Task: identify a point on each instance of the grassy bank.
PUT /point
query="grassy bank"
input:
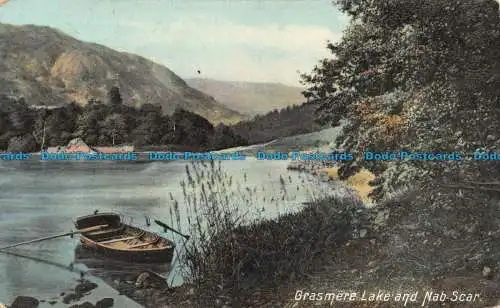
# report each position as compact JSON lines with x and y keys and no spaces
{"x":360,"y":182}
{"x":268,"y":255}
{"x":231,"y":255}
{"x":407,"y":244}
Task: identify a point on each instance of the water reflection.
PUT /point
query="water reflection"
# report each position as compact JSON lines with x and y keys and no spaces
{"x":120,"y":275}
{"x":42,"y":199}
{"x":70,"y":267}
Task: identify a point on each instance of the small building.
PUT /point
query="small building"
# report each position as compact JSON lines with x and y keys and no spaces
{"x":115,"y":149}
{"x":77,"y":145}
{"x":54,"y":149}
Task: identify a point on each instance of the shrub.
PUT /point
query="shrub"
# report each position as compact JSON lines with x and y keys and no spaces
{"x":233,"y":253}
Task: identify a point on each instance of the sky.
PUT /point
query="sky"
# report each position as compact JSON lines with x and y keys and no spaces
{"x":252,"y":40}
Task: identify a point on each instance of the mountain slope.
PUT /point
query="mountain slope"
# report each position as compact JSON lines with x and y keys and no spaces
{"x":46,"y":66}
{"x":249,"y":97}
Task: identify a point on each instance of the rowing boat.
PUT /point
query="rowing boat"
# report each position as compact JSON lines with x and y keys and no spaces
{"x":120,"y":241}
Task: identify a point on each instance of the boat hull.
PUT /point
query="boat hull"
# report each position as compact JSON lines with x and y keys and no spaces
{"x":123,"y":242}
{"x":160,"y":256}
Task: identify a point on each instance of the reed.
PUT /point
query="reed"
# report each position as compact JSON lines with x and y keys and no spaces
{"x":235,"y":249}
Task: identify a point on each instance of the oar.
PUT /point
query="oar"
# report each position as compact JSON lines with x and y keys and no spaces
{"x":164,"y":225}
{"x":56,"y":236}
{"x":70,"y":267}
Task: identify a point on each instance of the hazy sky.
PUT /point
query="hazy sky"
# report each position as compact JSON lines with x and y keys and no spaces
{"x":266,"y":40}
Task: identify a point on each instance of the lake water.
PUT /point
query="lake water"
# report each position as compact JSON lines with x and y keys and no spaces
{"x":40,"y":199}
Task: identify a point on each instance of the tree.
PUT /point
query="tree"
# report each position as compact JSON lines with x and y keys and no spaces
{"x":115,"y":100}
{"x":418,"y":75}
{"x":4,"y":124}
{"x":115,"y":97}
{"x":114,"y":127}
{"x":224,"y":137}
{"x":24,"y":143}
{"x":192,"y":129}
{"x":21,"y":118}
{"x":39,"y":128}
{"x":89,"y":121}
{"x":149,"y":128}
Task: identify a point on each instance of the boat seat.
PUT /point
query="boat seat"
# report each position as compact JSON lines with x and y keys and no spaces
{"x":106,"y":231}
{"x":118,"y":240}
{"x":93,"y":228}
{"x":144,"y":244}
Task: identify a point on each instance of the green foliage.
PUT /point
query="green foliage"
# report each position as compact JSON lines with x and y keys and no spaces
{"x":87,"y":125}
{"x":104,"y":124}
{"x":232,"y":252}
{"x":115,"y":98}
{"x":225,"y":137}
{"x":151,"y":125}
{"x":286,"y":122}
{"x":114,"y":127}
{"x":25,"y":143}
{"x":191,"y":128}
{"x":415,"y":75}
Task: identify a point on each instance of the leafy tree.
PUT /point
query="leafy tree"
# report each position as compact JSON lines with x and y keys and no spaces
{"x":24,"y":143}
{"x":192,"y":129}
{"x":224,"y":137}
{"x":417,"y":75}
{"x":149,"y":129}
{"x":102,"y":124}
{"x":40,"y":128}
{"x":114,"y":96}
{"x":114,"y":127}
{"x":21,"y":118}
{"x":289,"y":121}
{"x":4,"y":124}
{"x":88,"y":122}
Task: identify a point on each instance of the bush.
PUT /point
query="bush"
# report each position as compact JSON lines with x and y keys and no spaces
{"x":232,"y":254}
{"x":407,"y":75}
{"x":24,"y":143}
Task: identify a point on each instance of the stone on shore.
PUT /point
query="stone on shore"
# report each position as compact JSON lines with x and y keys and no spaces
{"x":71,"y":297}
{"x":105,"y":303}
{"x":25,"y":302}
{"x":85,"y":287}
{"x":142,"y":280}
{"x":487,"y":272}
{"x":83,"y":305}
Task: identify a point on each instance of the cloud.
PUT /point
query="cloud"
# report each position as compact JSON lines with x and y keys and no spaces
{"x":228,"y":50}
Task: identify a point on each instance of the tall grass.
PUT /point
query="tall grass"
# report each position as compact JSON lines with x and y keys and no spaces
{"x":232,"y":251}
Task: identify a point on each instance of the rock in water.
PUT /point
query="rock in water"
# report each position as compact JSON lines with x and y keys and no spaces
{"x":84,"y":287}
{"x":83,"y":305}
{"x":105,"y":303}
{"x":25,"y":302}
{"x":487,"y":273}
{"x":71,"y":297}
{"x":141,"y":279}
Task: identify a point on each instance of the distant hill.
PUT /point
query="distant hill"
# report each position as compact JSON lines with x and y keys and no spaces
{"x":285,"y":122}
{"x":249,"y":97}
{"x":322,"y":140}
{"x":46,"y":66}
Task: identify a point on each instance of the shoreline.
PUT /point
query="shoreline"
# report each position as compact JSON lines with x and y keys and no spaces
{"x":382,"y":251}
{"x":359,"y":183}
{"x":362,"y":263}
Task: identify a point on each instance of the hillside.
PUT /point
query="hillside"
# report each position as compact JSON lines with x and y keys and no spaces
{"x":289,"y":121}
{"x":321,"y":140}
{"x":46,"y":66}
{"x":249,"y":97}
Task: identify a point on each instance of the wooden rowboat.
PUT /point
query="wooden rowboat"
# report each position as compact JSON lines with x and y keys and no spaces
{"x":110,"y":237}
